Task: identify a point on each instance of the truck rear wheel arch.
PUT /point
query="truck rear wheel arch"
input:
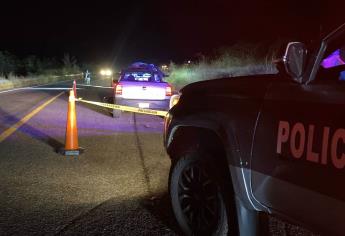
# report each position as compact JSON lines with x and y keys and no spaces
{"x":188,"y":139}
{"x":203,"y":144}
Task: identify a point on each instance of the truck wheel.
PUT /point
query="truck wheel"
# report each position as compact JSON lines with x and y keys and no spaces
{"x":198,"y":197}
{"x":117,"y":113}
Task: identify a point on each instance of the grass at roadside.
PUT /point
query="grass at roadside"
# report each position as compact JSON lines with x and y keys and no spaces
{"x":17,"y":82}
{"x":33,"y":70}
{"x":238,"y":60}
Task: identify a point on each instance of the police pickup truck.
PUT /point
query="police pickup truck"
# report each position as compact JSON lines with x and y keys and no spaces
{"x":270,"y":144}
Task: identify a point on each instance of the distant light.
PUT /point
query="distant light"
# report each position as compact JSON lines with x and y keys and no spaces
{"x":188,"y":61}
{"x":164,"y":67}
{"x":106,"y":72}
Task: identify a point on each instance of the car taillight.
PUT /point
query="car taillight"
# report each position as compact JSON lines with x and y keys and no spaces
{"x":118,"y":89}
{"x":168,"y":91}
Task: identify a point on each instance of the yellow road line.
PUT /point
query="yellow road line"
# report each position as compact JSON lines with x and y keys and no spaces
{"x":17,"y":125}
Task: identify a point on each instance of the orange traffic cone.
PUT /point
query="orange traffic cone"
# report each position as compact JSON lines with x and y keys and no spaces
{"x":71,"y":139}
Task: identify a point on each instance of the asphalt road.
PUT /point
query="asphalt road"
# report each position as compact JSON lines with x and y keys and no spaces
{"x":118,"y":186}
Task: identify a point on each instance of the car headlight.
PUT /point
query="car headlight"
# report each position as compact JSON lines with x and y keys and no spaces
{"x":106,"y":72}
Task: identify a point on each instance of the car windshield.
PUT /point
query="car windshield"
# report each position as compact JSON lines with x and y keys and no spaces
{"x":141,"y":76}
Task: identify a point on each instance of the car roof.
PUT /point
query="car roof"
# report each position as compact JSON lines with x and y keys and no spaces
{"x":142,"y":67}
{"x":136,"y":70}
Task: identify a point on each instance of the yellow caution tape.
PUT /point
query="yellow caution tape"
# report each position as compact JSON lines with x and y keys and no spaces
{"x":126,"y":108}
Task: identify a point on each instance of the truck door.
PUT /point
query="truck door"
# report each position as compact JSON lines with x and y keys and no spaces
{"x":298,"y":155}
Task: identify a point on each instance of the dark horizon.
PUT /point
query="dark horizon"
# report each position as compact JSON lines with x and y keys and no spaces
{"x":156,"y":31}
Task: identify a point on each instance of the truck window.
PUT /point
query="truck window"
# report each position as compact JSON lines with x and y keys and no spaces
{"x":333,"y":66}
{"x":334,"y":59}
{"x":139,"y":76}
{"x":136,"y":76}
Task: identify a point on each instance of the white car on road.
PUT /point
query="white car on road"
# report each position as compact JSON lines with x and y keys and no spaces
{"x":142,"y":85}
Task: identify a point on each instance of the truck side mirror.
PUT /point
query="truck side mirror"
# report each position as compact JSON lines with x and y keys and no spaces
{"x":294,"y":60}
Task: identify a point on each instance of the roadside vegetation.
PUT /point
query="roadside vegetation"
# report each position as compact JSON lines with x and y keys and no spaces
{"x":33,"y":70}
{"x":238,"y":60}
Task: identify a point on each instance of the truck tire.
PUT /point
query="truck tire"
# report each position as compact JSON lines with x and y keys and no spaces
{"x":199,"y":199}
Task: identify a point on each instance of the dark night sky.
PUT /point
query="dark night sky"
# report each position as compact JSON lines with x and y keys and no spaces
{"x":124,"y":31}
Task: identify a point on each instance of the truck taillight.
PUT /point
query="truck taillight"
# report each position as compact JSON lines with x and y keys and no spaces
{"x":113,"y":84}
{"x":168,"y":91}
{"x":118,"y":89}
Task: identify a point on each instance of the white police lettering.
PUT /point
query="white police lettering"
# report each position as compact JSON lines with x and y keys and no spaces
{"x":299,"y":140}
